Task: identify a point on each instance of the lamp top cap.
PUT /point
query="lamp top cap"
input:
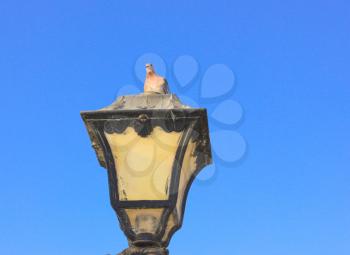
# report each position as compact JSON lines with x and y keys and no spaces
{"x":156,"y":95}
{"x":147,"y":101}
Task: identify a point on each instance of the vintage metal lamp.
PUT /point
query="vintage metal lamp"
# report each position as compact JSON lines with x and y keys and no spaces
{"x":152,"y":146}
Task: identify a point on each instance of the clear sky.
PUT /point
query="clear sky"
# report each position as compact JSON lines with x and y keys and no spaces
{"x":288,"y":194}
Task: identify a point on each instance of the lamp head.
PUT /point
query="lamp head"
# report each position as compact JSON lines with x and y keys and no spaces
{"x":152,"y":146}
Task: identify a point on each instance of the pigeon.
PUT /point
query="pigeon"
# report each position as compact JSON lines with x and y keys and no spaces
{"x":155,"y":83}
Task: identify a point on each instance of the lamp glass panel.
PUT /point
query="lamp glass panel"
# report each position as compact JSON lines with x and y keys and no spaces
{"x":144,"y":220}
{"x":144,"y":164}
{"x":187,"y":170}
{"x":171,"y":224}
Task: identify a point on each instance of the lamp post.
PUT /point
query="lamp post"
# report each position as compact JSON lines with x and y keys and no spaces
{"x":152,"y":146}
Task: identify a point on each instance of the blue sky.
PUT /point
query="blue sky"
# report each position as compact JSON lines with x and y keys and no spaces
{"x":289,"y":194}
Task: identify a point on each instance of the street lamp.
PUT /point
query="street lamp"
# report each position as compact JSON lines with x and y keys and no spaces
{"x":153,"y":146}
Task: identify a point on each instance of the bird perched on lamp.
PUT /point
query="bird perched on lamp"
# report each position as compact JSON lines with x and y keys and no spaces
{"x":154,"y":83}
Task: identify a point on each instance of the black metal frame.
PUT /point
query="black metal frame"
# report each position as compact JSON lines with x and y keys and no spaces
{"x":193,"y":123}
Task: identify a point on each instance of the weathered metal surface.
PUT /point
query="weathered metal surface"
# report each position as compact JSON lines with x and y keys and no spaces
{"x":146,"y":101}
{"x":145,"y":251}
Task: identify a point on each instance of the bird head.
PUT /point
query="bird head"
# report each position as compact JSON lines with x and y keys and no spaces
{"x":149,"y":69}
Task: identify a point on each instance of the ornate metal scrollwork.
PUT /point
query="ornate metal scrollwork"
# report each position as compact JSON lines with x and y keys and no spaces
{"x":145,"y":251}
{"x":144,"y":124}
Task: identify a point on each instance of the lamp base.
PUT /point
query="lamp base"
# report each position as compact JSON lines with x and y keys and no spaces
{"x":145,"y":251}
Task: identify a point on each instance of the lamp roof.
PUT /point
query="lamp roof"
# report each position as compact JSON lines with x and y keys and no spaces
{"x":146,"y":101}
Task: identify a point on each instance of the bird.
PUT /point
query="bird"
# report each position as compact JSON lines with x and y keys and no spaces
{"x":154,"y":83}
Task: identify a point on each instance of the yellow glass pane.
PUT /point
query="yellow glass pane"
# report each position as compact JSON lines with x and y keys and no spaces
{"x":187,"y":170}
{"x":172,"y":222}
{"x":144,"y":164}
{"x":144,"y":220}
